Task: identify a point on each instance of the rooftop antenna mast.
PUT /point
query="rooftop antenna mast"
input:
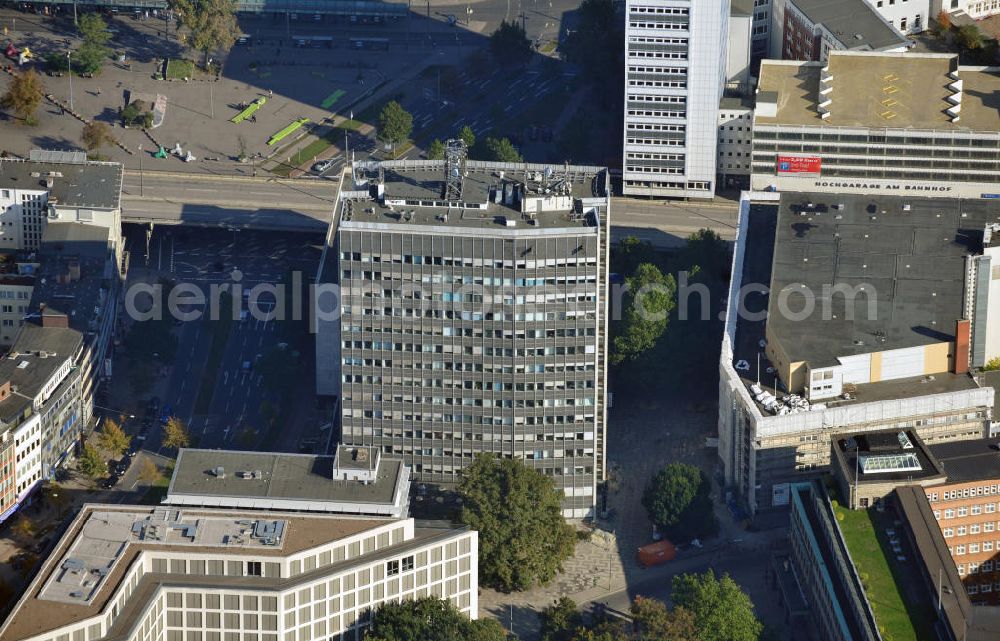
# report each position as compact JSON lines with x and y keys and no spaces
{"x":454,"y":169}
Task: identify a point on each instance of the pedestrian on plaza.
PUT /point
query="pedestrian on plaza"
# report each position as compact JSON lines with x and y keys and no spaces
{"x":98,"y":91}
{"x":270,"y":93}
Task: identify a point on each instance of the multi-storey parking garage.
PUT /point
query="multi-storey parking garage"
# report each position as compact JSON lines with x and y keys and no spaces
{"x":878,"y":123}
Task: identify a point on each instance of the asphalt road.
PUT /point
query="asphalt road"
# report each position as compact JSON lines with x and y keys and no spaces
{"x":195,"y":256}
{"x":479,"y":100}
{"x":262,"y":203}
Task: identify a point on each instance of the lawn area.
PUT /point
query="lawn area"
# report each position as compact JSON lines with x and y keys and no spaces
{"x":895,"y":621}
{"x":332,"y":137}
{"x":158,"y":489}
{"x":179,"y":69}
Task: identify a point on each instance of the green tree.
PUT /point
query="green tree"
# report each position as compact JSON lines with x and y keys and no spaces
{"x":560,"y":620}
{"x":430,"y":619}
{"x":56,"y":62}
{"x":211,"y":24}
{"x":24,"y":529}
{"x":175,"y":434}
{"x":468,"y":136}
{"x":629,"y":253}
{"x":523,"y":538}
{"x":603,"y":631}
{"x":943,"y":22}
{"x":509,"y":44}
{"x":706,"y":250}
{"x":678,"y":499}
{"x":24,"y":94}
{"x":94,"y":51}
{"x":395,"y":124}
{"x":646,"y":307}
{"x":149,"y":472}
{"x":654,"y":622}
{"x":92,"y":462}
{"x":969,"y":38}
{"x":113,"y":438}
{"x":501,"y":150}
{"x":435,"y":150}
{"x":96,"y":135}
{"x":722,"y":611}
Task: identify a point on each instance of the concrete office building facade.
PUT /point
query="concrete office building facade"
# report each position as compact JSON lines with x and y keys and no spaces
{"x":675,"y":71}
{"x":858,"y":375}
{"x":66,"y":213}
{"x":474,"y":325}
{"x":735,"y":141}
{"x":136,"y":573}
{"x":877,"y":123}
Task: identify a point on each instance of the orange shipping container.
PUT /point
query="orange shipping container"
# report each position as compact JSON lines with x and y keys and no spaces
{"x":656,"y":553}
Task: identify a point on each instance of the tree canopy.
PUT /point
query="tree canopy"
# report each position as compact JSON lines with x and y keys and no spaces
{"x":175,"y":434}
{"x":560,"y":620}
{"x":430,"y":619}
{"x":113,"y":438}
{"x":94,"y":50}
{"x":149,"y":472}
{"x":395,"y":124}
{"x":435,"y":150}
{"x":523,"y":538}
{"x":92,"y":462}
{"x":722,"y":611}
{"x":501,"y":150}
{"x":95,"y":135}
{"x":24,"y":94}
{"x":211,"y":23}
{"x":509,"y":44}
{"x":678,"y":499}
{"x":646,"y":307}
{"x":468,"y":136}
{"x":654,"y":622}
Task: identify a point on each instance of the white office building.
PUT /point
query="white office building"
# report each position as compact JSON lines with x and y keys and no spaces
{"x":140,"y":573}
{"x":975,"y":9}
{"x":675,"y":72}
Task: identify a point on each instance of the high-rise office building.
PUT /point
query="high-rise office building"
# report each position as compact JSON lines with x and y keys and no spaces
{"x":675,"y":72}
{"x":473,"y":317}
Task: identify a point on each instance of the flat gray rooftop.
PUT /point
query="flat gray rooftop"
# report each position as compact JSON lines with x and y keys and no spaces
{"x":415,"y":195}
{"x":35,"y":356}
{"x":92,"y":184}
{"x":910,"y":261}
{"x":976,"y":460}
{"x":854,"y":22}
{"x":304,"y":477}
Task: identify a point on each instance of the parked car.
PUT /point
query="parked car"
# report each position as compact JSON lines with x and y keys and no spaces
{"x":322,"y":166}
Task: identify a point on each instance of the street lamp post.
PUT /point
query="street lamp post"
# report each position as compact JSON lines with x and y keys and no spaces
{"x":140,"y":171}
{"x":100,"y":407}
{"x":69,"y":69}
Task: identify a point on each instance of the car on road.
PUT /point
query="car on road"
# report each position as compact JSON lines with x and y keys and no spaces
{"x":165,"y":415}
{"x":247,"y":366}
{"x":322,"y":166}
{"x":109,"y":482}
{"x":123,"y":465}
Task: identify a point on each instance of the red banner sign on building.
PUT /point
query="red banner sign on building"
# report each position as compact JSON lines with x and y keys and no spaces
{"x":799,"y":164}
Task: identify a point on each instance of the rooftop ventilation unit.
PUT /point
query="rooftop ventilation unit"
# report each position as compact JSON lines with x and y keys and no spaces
{"x":220,"y":472}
